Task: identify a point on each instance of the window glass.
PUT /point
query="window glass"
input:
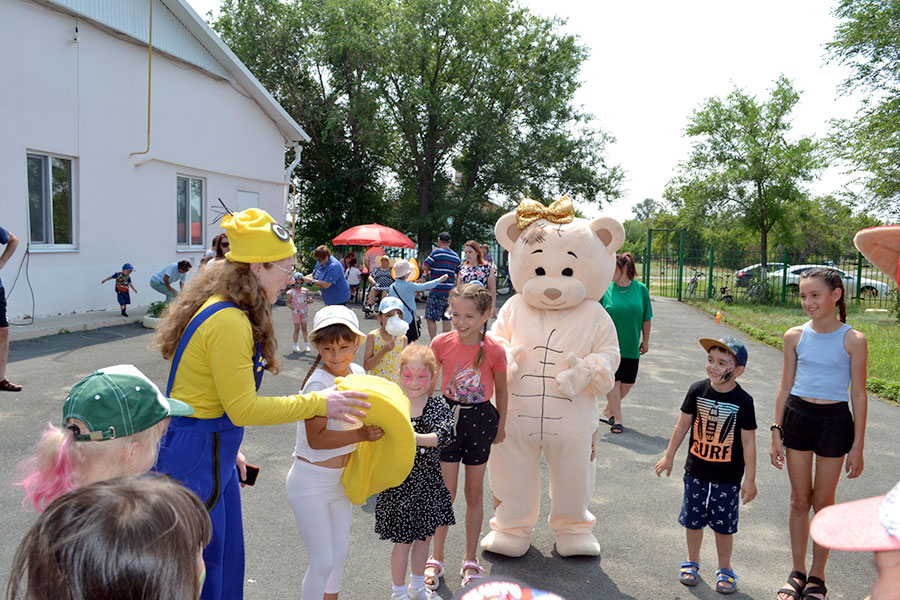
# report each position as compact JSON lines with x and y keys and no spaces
{"x":51,"y":200}
{"x":62,"y":201}
{"x":196,"y":212}
{"x":36,"y":199}
{"x":181,"y":200}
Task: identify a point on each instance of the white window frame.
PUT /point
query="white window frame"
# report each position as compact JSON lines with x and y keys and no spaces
{"x":48,"y":244}
{"x":187,"y":245}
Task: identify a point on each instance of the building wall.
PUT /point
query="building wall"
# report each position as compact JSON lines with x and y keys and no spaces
{"x":87,"y":99}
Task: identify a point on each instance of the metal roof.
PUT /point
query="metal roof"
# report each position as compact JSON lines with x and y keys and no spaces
{"x":183,"y":34}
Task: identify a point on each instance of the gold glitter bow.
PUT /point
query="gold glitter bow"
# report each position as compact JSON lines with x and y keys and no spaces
{"x":529,"y":211}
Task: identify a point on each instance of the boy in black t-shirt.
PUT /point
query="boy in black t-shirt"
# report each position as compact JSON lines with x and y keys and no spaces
{"x":720,"y":417}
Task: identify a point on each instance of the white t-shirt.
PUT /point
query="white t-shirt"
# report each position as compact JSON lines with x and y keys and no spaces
{"x":318,"y":381}
{"x":353,"y":275}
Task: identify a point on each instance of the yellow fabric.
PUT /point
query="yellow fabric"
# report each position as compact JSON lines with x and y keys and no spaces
{"x":216,"y":376}
{"x":386,"y":463}
{"x":255,"y":237}
{"x":529,"y":211}
{"x":389,"y":365}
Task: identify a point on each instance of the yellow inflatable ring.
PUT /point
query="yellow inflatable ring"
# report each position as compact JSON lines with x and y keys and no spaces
{"x":377,"y":466}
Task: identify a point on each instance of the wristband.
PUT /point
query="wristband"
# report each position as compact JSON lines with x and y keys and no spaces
{"x":779,"y":428}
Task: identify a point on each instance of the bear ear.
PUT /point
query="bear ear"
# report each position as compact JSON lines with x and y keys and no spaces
{"x":610,"y":233}
{"x":507,"y":231}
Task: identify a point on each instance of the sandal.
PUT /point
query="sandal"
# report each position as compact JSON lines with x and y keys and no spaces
{"x":792,"y":589}
{"x":617,"y":428}
{"x":726,"y":581}
{"x":471,"y":564}
{"x":815,"y":585}
{"x":688,"y":573}
{"x":8,"y":386}
{"x":437,"y":571}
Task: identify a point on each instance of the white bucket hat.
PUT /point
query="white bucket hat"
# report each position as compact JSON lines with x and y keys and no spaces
{"x":337,"y":315}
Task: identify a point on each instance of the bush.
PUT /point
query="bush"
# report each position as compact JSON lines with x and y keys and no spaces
{"x":895,"y":307}
{"x":157,"y":309}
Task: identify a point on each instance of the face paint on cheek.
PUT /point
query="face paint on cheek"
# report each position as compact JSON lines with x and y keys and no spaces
{"x":726,"y":376}
{"x":407,"y":377}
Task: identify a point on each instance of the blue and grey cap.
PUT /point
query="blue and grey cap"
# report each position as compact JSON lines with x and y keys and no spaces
{"x":728,"y":344}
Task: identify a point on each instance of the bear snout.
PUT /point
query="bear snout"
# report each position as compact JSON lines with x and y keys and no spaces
{"x":552,"y":293}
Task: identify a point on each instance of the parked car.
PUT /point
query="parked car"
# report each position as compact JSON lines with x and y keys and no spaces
{"x":869,"y":288}
{"x":743,"y":277}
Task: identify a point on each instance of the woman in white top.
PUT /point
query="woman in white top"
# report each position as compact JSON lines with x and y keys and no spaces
{"x":314,"y":488}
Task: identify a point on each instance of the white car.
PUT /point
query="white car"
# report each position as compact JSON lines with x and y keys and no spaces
{"x":869,"y":288}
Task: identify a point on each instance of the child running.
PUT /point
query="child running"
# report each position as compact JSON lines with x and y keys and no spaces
{"x":383,"y":345}
{"x":473,"y":368}
{"x":314,"y":487}
{"x":824,"y":372}
{"x":123,"y":282}
{"x":298,"y":299}
{"x":113,"y":420}
{"x":722,"y":422}
{"x":409,"y":513}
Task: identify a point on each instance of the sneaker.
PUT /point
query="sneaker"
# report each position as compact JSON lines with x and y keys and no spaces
{"x":296,"y":347}
{"x":401,"y":596}
{"x":124,"y":314}
{"x":423,"y":593}
{"x":306,"y":347}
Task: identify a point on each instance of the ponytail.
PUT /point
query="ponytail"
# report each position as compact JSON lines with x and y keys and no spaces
{"x":52,"y":471}
{"x":842,"y":309}
{"x":479,"y":358}
{"x":312,"y":370}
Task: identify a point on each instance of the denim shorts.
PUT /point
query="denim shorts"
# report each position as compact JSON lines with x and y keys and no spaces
{"x":706,"y":503}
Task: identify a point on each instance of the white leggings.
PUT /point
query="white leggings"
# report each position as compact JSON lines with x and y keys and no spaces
{"x":322,"y":511}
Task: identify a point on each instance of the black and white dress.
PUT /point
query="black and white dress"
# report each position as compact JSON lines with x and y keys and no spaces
{"x":415,"y":508}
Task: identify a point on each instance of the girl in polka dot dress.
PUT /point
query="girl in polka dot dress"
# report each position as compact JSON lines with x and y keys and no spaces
{"x":409,"y":513}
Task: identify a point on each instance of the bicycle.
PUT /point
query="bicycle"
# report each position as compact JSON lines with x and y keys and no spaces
{"x":692,"y":284}
{"x":758,"y":290}
{"x":504,"y":283}
{"x":724,"y":291}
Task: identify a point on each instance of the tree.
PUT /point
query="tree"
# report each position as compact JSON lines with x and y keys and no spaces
{"x":644,"y":209}
{"x":743,"y":162}
{"x":866,"y":40}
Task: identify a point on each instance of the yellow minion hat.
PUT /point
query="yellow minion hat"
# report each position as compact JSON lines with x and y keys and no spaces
{"x":255,"y":237}
{"x":385,"y":463}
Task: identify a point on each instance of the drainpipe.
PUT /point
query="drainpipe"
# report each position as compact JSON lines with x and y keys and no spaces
{"x":149,"y":79}
{"x":298,"y":151}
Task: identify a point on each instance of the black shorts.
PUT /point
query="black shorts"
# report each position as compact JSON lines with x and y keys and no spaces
{"x":627,"y":371}
{"x":825,"y":429}
{"x":3,"y":321}
{"x":475,"y":427}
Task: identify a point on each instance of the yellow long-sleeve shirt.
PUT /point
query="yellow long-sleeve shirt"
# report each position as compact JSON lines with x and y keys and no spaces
{"x":216,"y":376}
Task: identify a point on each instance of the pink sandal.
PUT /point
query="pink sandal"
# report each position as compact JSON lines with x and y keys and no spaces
{"x":437,"y":566}
{"x":471,"y":564}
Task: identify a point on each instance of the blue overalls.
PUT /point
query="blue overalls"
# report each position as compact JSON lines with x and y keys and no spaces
{"x":201,"y":454}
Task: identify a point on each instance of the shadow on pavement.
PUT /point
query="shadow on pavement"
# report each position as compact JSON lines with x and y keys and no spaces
{"x":67,"y":342}
{"x":637,"y":442}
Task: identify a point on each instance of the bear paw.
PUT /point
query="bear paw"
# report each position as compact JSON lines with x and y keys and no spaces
{"x":506,"y":544}
{"x":577,"y":544}
{"x":573,"y":380}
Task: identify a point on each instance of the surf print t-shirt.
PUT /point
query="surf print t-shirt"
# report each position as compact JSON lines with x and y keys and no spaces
{"x":460,"y":380}
{"x":716,"y":454}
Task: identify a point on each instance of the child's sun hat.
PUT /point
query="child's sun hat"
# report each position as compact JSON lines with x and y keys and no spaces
{"x":128,"y":266}
{"x":389,"y":303}
{"x":872,"y":524}
{"x":729,"y":345}
{"x":255,"y":237}
{"x":336,"y":314}
{"x":118,"y":401}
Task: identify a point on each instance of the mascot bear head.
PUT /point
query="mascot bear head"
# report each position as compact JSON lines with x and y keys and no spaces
{"x":558,"y":261}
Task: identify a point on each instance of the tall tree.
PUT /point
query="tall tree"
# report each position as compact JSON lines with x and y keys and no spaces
{"x":743,"y":161}
{"x":867,"y":40}
{"x":644,"y":209}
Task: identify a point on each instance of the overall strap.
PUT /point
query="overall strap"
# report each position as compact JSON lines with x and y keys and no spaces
{"x":198,"y":320}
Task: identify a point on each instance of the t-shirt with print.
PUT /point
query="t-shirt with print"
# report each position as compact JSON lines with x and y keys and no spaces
{"x":443,"y":261}
{"x":460,"y":380}
{"x":122,"y":281}
{"x":716,"y":453}
{"x":297,"y":300}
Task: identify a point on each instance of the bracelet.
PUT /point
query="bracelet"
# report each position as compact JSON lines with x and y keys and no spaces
{"x":779,"y":428}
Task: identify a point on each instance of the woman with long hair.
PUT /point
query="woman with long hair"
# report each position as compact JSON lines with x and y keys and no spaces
{"x":219,"y":336}
{"x":475,"y":269}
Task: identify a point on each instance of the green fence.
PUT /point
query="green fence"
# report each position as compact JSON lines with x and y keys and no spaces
{"x":700,"y":274}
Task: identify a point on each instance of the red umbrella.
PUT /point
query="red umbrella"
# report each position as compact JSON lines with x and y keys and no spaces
{"x":373,"y":234}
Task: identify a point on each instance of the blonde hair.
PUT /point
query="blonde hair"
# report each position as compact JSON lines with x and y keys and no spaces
{"x":235,"y":283}
{"x":482,"y":299}
{"x":426,"y":356}
{"x":59,"y":464}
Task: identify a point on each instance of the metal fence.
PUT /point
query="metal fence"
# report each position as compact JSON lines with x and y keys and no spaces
{"x":699,"y":274}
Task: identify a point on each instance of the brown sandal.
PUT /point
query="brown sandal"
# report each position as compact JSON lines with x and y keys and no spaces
{"x":8,"y":386}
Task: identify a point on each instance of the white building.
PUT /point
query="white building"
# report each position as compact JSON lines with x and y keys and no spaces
{"x":85,"y":187}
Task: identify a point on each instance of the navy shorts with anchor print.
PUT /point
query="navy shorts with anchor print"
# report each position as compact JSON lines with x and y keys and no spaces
{"x":713,"y":504}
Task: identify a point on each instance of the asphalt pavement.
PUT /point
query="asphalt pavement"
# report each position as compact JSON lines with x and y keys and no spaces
{"x":641,"y":541}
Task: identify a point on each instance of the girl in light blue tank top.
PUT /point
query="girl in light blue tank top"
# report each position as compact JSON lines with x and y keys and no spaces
{"x":824,"y":376}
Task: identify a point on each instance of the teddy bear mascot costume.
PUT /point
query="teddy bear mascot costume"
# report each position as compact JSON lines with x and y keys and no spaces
{"x":563,"y":353}
{"x":881,"y":245}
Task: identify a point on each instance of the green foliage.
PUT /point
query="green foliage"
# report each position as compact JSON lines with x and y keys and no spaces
{"x":643,"y":210}
{"x":894,"y":310}
{"x":866,"y":40}
{"x":743,"y":163}
{"x":157,"y":309}
{"x":823,"y":226}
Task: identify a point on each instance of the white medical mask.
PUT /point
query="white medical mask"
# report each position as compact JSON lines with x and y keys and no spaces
{"x":396,"y":326}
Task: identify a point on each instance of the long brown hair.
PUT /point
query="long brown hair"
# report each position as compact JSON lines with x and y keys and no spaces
{"x":337,"y":332}
{"x":132,"y":537}
{"x":477,"y":248}
{"x":235,"y":283}
{"x":626,"y":263}
{"x":482,"y":299}
{"x":833,"y":280}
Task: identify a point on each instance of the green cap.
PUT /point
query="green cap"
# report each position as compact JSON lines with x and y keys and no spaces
{"x":119,"y":401}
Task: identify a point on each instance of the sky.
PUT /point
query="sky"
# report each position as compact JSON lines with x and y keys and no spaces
{"x":653,"y":62}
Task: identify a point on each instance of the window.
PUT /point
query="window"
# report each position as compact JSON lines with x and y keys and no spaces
{"x":189,"y":211}
{"x":50,"y":200}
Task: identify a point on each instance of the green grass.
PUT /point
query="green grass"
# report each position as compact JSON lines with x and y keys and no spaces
{"x":768,"y":324}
